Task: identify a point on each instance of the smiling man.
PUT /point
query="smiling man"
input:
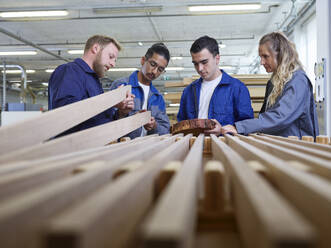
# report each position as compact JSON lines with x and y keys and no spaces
{"x":78,"y":80}
{"x":147,"y":97}
{"x":215,"y":95}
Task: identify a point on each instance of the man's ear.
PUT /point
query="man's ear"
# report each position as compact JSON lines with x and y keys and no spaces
{"x":95,"y":48}
{"x":143,"y":60}
{"x":217,"y":57}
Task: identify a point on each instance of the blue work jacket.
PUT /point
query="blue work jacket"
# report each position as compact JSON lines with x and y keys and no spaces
{"x":155,"y":103}
{"x":73,"y":82}
{"x":229,"y":103}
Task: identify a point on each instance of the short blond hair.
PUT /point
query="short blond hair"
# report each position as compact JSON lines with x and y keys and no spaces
{"x":102,"y":41}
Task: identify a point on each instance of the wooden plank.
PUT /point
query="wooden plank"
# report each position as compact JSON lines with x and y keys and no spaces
{"x":89,"y":138}
{"x":319,"y":166}
{"x":47,"y":125}
{"x":174,"y":84}
{"x":258,"y":205}
{"x":301,"y":142}
{"x":322,"y":139}
{"x":44,"y":173}
{"x":256,"y":92}
{"x":164,"y":228}
{"x":310,"y":151}
{"x":13,"y":167}
{"x":165,"y":176}
{"x":19,"y":216}
{"x":309,"y":193}
{"x":214,"y":187}
{"x":131,"y":196}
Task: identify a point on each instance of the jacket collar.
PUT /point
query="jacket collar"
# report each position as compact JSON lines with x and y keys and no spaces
{"x":226,"y":79}
{"x":84,"y":65}
{"x":133,"y":79}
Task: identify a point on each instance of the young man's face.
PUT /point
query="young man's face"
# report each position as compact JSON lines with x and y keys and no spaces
{"x":105,"y":59}
{"x":153,"y":67}
{"x":206,"y":64}
{"x":268,"y":58}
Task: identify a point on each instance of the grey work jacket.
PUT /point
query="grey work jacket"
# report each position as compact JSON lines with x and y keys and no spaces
{"x":293,"y":113}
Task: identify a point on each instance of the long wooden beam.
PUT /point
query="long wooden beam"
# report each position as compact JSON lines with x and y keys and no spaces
{"x":309,"y":193}
{"x":42,"y":173}
{"x":258,"y":205}
{"x":306,"y":150}
{"x":89,"y":138}
{"x":322,"y":147}
{"x":54,"y":122}
{"x":164,"y":228}
{"x":319,"y":166}
{"x":131,"y":196}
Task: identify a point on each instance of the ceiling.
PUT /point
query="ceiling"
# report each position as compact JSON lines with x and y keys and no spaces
{"x":133,"y":21}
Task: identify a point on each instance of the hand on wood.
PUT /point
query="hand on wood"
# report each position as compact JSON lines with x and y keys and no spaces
{"x":151,"y":124}
{"x":228,"y":129}
{"x":216,"y":130}
{"x":126,"y":106}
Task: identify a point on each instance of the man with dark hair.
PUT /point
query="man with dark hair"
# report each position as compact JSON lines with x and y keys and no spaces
{"x":78,"y":80}
{"x":147,"y":97}
{"x":215,"y":95}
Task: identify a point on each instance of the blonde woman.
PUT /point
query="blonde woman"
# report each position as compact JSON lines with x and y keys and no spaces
{"x":289,"y":107}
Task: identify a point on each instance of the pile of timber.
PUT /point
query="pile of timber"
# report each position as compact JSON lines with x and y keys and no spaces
{"x":256,"y":84}
{"x":159,"y":191}
{"x":194,"y":126}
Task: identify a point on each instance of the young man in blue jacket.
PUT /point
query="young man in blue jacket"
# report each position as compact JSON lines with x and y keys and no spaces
{"x":79,"y":80}
{"x":147,"y":97}
{"x":215,"y":95}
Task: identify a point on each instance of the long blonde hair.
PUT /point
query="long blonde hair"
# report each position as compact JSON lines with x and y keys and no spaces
{"x":287,"y":62}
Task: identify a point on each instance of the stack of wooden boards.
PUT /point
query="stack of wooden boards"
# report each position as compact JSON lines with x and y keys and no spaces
{"x":161,"y":191}
{"x":256,"y":84}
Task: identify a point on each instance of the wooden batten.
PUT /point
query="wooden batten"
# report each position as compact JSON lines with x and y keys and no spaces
{"x":47,"y":125}
{"x":177,"y":227}
{"x":89,"y":138}
{"x":258,"y":204}
{"x":310,"y":194}
{"x":131,"y":196}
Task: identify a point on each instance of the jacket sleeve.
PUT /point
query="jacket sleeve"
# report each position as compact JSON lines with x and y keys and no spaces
{"x":163,"y":124}
{"x":243,"y":106}
{"x":288,"y":107}
{"x":65,"y":87}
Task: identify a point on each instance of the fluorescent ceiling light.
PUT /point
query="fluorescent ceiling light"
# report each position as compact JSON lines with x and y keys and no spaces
{"x":224,"y":7}
{"x":174,"y":105}
{"x":75,"y":51}
{"x":140,"y":43}
{"x":45,"y":84}
{"x":221,"y":45}
{"x":24,"y":14}
{"x":122,"y":69}
{"x":175,"y":69}
{"x":19,"y":81}
{"x":49,"y":70}
{"x":18,"y":71}
{"x":176,"y":58}
{"x":18,"y":53}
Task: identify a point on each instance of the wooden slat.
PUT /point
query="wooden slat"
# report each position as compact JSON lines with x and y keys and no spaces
{"x":51,"y":123}
{"x":319,"y":166}
{"x":258,"y":205}
{"x":164,"y":228}
{"x":131,"y":196}
{"x":89,"y":138}
{"x":174,"y":84}
{"x":309,"y":193}
{"x":310,"y":151}
{"x":214,"y":186}
{"x":301,"y":142}
{"x":256,"y":92}
{"x":44,"y":173}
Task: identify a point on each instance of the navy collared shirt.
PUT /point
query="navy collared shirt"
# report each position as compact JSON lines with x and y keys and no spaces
{"x":73,"y":82}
